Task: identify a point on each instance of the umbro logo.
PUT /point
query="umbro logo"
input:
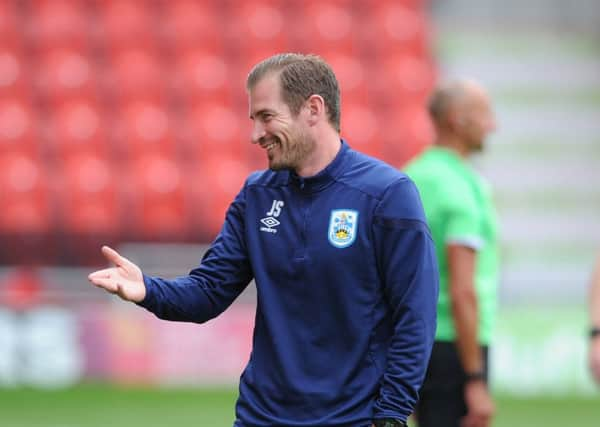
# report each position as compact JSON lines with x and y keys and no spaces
{"x":271,"y":221}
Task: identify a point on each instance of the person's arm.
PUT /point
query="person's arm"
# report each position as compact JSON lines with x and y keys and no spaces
{"x":594,"y":356}
{"x":207,"y":291}
{"x":461,"y":268}
{"x":408,"y":269}
{"x":462,"y":239}
{"x":461,"y":271}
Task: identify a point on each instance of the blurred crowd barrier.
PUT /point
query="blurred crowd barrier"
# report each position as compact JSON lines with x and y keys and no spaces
{"x":56,"y":347}
{"x":537,"y":352}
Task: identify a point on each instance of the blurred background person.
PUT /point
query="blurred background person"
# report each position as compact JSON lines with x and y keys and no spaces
{"x":462,"y":219}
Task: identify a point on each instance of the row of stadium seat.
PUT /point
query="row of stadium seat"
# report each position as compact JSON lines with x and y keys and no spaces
{"x":198,"y":75}
{"x":153,"y":197}
{"x":207,"y":128}
{"x":385,"y":25}
{"x":27,"y":181}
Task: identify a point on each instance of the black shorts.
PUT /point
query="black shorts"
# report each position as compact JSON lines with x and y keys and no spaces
{"x":441,"y":402}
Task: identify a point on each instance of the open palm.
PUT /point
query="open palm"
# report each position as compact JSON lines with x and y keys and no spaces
{"x":125,"y":279}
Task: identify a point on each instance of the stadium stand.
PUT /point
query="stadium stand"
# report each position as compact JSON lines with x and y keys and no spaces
{"x":126,"y":121}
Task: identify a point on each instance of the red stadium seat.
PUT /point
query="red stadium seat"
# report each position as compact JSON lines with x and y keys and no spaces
{"x":404,"y":80}
{"x":202,"y":75}
{"x":27,"y":217}
{"x":158,"y":205}
{"x":190,"y":23}
{"x":352,"y":76}
{"x":24,"y":194}
{"x":251,"y":154}
{"x":243,"y":62}
{"x":18,"y":129}
{"x":408,"y":131}
{"x":65,"y":74}
{"x":361,"y":125}
{"x":90,"y":201}
{"x":78,"y":126}
{"x":328,"y":26}
{"x":394,"y":27}
{"x":257,"y":23}
{"x":125,"y":23}
{"x":58,"y":23}
{"x":214,"y":128}
{"x":216,"y":182}
{"x":145,"y":127}
{"x":9,"y":21}
{"x":14,"y":71}
{"x":136,"y":73}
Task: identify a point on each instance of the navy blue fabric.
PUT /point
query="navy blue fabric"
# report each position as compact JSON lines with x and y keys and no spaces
{"x":342,"y":334}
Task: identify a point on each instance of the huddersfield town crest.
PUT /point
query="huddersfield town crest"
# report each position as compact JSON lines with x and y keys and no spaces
{"x":342,"y":227}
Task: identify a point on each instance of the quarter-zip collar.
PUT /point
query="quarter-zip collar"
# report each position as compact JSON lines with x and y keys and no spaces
{"x":324,"y":178}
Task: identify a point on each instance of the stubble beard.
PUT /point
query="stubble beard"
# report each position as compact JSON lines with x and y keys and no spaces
{"x":293,"y":154}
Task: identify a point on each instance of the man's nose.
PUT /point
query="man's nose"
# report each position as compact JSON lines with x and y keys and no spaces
{"x":258,"y":132}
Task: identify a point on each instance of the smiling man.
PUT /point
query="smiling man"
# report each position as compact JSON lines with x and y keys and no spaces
{"x":344,"y":265}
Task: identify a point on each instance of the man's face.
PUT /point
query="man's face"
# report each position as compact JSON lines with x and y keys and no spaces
{"x":478,"y":121}
{"x":284,"y":136}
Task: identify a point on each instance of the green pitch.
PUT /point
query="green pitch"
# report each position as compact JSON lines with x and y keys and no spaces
{"x":101,"y":406}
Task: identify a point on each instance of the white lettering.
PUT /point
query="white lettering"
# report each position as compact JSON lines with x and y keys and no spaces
{"x":275,"y":208}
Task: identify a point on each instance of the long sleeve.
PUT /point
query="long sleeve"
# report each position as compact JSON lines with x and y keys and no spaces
{"x":408,"y":268}
{"x":209,"y":289}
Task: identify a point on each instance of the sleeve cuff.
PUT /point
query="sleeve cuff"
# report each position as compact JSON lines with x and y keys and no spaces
{"x":472,"y":242}
{"x":149,"y":301}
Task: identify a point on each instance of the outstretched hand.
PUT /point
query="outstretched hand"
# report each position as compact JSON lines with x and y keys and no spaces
{"x":125,"y":279}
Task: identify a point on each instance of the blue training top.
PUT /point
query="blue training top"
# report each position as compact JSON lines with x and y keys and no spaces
{"x":347,"y":284}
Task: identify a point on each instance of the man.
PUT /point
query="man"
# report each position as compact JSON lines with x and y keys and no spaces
{"x":461,"y":216}
{"x":594,"y":351}
{"x":344,"y":265}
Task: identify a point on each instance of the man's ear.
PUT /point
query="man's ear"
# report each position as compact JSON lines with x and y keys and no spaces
{"x":316,"y":109}
{"x":455,"y":120}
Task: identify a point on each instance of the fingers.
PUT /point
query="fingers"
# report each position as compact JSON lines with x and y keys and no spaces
{"x":106,"y":283}
{"x":112,"y":255}
{"x":105,"y":273}
{"x":113,"y":285}
{"x":116,"y":258}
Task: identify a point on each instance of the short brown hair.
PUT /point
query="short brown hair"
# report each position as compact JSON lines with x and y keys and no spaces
{"x":300,"y":77}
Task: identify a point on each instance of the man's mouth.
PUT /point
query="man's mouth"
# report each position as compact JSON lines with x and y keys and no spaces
{"x":270,"y":145}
